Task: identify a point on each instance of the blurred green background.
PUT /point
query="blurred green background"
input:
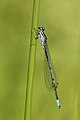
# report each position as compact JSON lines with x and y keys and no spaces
{"x":61,"y":19}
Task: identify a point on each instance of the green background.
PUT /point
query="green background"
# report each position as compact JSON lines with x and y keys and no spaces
{"x":61,"y":19}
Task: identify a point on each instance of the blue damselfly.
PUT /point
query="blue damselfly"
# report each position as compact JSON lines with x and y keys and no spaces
{"x":43,"y":38}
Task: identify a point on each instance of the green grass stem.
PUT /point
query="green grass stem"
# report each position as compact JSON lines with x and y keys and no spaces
{"x":31,"y":65}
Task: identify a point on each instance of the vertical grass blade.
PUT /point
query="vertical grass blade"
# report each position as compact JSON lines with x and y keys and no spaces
{"x":31,"y":65}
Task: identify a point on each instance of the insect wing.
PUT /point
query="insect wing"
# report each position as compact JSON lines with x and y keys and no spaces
{"x":47,"y":75}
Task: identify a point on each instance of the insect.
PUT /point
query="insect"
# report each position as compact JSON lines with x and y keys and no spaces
{"x":43,"y":38}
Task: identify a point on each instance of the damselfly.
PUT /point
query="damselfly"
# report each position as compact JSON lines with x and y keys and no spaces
{"x":43,"y":38}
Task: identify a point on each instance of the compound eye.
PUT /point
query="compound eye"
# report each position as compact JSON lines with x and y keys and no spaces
{"x":43,"y":28}
{"x":38,"y":28}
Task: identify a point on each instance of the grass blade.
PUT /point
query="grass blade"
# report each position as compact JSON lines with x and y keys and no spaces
{"x":31,"y":65}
